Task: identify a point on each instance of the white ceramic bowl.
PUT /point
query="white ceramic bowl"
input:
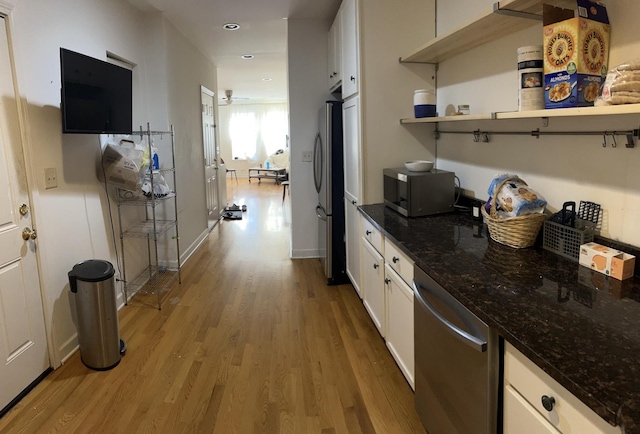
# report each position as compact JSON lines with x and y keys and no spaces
{"x":418,"y":165}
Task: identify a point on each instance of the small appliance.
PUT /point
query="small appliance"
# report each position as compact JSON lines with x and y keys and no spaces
{"x":416,"y":194}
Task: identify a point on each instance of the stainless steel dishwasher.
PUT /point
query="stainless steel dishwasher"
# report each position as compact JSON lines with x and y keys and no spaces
{"x":457,"y":363}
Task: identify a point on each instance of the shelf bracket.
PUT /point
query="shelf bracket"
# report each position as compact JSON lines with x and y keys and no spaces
{"x":517,"y":14}
{"x":631,"y":143}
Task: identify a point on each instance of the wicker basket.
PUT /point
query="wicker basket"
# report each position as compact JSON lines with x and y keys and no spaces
{"x":517,"y":232}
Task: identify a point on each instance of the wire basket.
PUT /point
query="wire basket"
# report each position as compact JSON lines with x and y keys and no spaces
{"x":517,"y":232}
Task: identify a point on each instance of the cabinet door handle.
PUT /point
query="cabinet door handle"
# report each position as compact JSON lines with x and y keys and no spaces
{"x":353,"y":79}
{"x":387,"y":280}
{"x":395,"y":259}
{"x":375,"y":266}
{"x":548,"y":402}
{"x":368,"y":232}
{"x":353,"y":202}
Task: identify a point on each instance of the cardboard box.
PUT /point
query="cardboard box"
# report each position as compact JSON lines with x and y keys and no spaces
{"x":576,"y":54}
{"x":612,"y":262}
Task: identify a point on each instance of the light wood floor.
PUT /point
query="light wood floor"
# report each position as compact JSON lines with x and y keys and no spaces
{"x":251,"y":342}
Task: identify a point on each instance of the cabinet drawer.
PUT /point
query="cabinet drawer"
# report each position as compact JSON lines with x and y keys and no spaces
{"x":521,"y":418}
{"x":400,"y":262}
{"x":373,"y":235}
{"x":569,"y":414}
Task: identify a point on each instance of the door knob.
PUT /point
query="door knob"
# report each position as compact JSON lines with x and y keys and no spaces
{"x":28,"y":233}
{"x":24,"y":209}
{"x":375,"y":266}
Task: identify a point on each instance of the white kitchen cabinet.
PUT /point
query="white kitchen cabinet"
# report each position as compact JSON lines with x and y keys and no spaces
{"x":372,"y":235}
{"x":350,"y":49}
{"x":397,"y":260}
{"x":373,"y":286}
{"x":352,"y":186}
{"x":399,"y":326}
{"x":525,"y":386}
{"x":352,"y":241}
{"x":521,"y":418}
{"x":334,"y":70}
{"x":352,"y":155}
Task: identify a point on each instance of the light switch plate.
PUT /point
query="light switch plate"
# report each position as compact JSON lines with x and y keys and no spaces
{"x":306,"y":156}
{"x":50,"y":178}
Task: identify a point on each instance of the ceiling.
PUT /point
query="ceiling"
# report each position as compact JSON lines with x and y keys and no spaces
{"x":262,"y":33}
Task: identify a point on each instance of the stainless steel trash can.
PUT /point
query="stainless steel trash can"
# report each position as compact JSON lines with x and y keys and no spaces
{"x":98,"y":333}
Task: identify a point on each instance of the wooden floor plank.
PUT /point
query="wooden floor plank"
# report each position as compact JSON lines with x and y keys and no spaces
{"x":251,"y":342}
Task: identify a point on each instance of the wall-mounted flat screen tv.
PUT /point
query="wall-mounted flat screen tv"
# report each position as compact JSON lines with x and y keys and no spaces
{"x":96,"y":95}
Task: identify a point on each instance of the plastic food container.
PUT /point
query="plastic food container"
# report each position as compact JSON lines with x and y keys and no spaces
{"x":424,"y":103}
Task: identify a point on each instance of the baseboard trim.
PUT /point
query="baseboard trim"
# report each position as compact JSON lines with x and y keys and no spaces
{"x":68,"y":348}
{"x":305,"y":254}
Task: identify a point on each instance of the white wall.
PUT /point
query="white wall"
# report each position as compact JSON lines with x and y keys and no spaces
{"x":187,"y":70}
{"x":73,"y":220}
{"x":560,"y":168}
{"x":307,"y":66}
{"x":387,"y":32}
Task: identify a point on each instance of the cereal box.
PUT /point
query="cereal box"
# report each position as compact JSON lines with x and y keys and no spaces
{"x":576,"y":54}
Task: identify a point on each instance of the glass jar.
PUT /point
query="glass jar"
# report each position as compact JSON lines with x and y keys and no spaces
{"x":463,"y":109}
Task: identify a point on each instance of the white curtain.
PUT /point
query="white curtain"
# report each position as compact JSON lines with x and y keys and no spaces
{"x":257,"y":130}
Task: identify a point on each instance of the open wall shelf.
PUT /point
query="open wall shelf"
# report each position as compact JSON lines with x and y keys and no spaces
{"x":503,"y":19}
{"x":532,"y":114}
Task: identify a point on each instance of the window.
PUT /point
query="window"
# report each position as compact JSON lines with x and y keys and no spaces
{"x":257,"y":130}
{"x":243,"y":129}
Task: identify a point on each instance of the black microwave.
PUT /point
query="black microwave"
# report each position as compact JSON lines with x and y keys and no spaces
{"x":415,"y":194}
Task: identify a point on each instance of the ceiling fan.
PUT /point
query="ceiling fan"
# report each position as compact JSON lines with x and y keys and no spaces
{"x":229,"y":98}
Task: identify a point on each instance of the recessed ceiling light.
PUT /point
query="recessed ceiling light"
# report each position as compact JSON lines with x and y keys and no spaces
{"x":231,"y":26}
{"x":247,"y":56}
{"x":266,"y":79}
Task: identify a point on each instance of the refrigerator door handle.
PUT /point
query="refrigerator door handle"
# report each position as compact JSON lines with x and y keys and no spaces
{"x":473,"y":341}
{"x":319,"y":210}
{"x":318,"y":164}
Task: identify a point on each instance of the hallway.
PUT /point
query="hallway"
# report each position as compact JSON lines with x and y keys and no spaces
{"x":251,"y":342}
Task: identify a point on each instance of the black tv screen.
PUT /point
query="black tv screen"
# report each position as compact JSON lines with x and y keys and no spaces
{"x":96,"y":95}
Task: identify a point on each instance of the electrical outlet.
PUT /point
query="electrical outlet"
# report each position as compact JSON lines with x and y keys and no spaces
{"x":306,"y":156}
{"x":50,"y":178}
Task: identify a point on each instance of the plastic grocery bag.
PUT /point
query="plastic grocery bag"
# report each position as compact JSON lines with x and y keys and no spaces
{"x":122,"y":166}
{"x":622,"y":85}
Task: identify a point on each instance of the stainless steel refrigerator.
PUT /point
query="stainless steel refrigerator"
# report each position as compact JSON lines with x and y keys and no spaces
{"x":328,"y":176}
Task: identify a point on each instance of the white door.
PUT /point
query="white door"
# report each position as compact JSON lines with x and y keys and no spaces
{"x":210,"y":156}
{"x":23,"y":340}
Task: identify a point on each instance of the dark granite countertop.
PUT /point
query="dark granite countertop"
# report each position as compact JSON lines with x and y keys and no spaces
{"x":579,"y":326}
